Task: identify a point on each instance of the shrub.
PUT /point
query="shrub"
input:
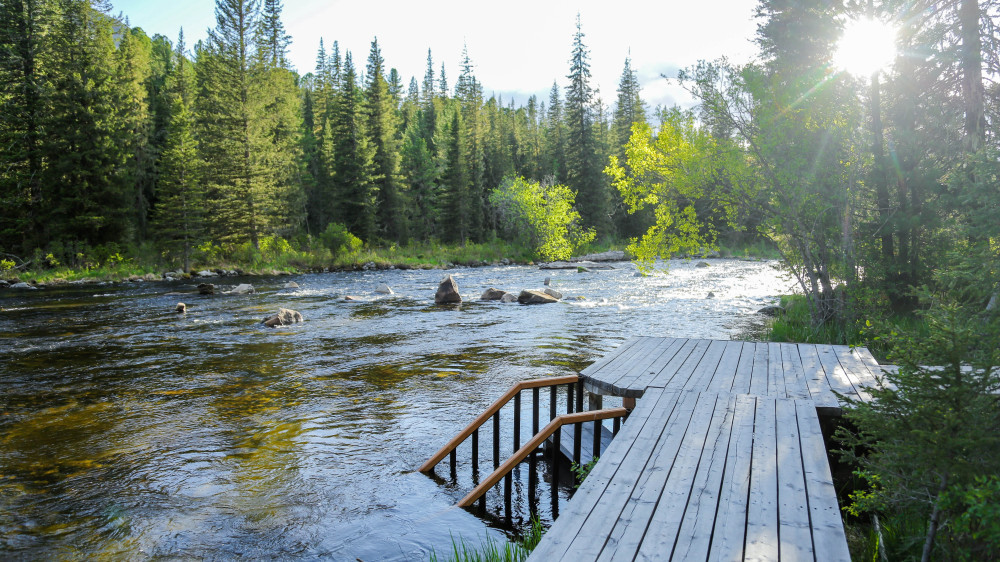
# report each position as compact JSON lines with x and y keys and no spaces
{"x":339,"y":240}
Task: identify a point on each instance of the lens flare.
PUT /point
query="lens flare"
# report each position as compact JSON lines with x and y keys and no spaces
{"x":866,"y":47}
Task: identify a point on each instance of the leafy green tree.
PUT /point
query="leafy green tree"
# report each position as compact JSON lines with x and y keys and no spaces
{"x":629,"y":111}
{"x":542,"y":216}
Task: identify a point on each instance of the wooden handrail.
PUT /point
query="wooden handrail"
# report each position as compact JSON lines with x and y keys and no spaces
{"x":494,"y":408}
{"x":534,"y":443}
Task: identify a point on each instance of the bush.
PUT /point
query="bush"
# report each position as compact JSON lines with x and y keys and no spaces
{"x":339,"y":240}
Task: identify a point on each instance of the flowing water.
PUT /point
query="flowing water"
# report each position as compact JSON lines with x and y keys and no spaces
{"x":130,"y":431}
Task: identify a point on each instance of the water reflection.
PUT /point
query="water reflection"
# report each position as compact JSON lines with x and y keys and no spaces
{"x":127,"y":430}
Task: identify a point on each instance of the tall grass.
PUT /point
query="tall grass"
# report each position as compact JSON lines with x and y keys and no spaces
{"x":492,"y":550}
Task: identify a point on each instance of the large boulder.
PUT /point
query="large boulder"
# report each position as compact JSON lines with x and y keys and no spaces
{"x":290,"y":285}
{"x":553,"y":293}
{"x":492,"y":294}
{"x":447,"y":292}
{"x":206,"y":289}
{"x":284,"y":317}
{"x":508,"y":298}
{"x":528,"y":296}
{"x":22,"y":285}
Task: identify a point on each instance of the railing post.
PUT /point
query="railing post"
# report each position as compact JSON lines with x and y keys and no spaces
{"x":534,"y":410}
{"x":517,"y":422}
{"x":555,"y":472}
{"x":552,"y":403}
{"x":577,"y":444}
{"x":496,"y":440}
{"x":598,"y":429}
{"x":454,"y":463}
{"x":617,"y":426}
{"x":579,"y":396}
{"x":506,"y":497}
{"x":569,"y":398}
{"x":475,"y":452}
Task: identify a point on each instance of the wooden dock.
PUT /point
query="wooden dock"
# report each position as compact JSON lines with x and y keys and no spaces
{"x":722,"y":458}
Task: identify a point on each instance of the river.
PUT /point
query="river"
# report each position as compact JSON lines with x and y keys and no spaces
{"x":130,"y":431}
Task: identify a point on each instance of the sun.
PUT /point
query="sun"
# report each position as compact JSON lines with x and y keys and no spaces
{"x":866,"y":47}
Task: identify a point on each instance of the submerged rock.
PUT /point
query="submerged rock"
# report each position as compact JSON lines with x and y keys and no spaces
{"x":243,"y":289}
{"x":528,"y":296}
{"x":447,"y":292}
{"x":290,"y":285}
{"x":702,"y":264}
{"x":553,"y":293}
{"x":773,"y":310}
{"x":383,"y":289}
{"x":492,"y":294}
{"x":284,"y":317}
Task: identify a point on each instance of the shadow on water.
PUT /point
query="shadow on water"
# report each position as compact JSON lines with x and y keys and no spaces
{"x":127,"y":430}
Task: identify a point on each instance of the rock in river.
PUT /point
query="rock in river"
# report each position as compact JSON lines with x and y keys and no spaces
{"x":383,"y":289}
{"x":447,"y":292}
{"x":773,"y":310}
{"x":206,"y":289}
{"x":492,"y":294}
{"x":528,"y":296}
{"x":284,"y":317}
{"x":553,"y":293}
{"x":243,"y":289}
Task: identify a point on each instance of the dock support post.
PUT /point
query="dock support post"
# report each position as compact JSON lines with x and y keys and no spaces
{"x":517,"y":422}
{"x":496,"y":440}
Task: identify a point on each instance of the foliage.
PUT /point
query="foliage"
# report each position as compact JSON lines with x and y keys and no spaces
{"x":543,"y":214}
{"x":492,"y":551}
{"x":930,"y":429}
{"x":583,"y":470}
{"x":675,"y":172}
{"x":339,"y":240}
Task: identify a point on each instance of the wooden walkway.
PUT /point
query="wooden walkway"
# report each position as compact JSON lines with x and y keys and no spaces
{"x":722,"y":458}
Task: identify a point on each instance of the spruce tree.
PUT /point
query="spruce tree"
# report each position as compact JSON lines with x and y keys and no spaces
{"x":382,"y":128}
{"x":179,"y":216}
{"x":132,"y":76}
{"x":455,"y":183}
{"x":352,"y":166}
{"x":469,"y":94}
{"x":629,"y":110}
{"x":583,"y":163}
{"x":555,"y":139}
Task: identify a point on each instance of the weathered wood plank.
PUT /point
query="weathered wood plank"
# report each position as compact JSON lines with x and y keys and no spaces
{"x":611,"y":356}
{"x":744,"y":371}
{"x":725,"y":374}
{"x":859,"y":374}
{"x":794,"y":535}
{"x":836,"y":376}
{"x":633,"y":373}
{"x":758,"y":375}
{"x":795,"y":379}
{"x":729,"y":531}
{"x":675,"y":373}
{"x":688,"y":529}
{"x":827,"y":527}
{"x":621,"y":468}
{"x":775,"y":372}
{"x":667,"y":352}
{"x":816,"y":380}
{"x":762,"y":507}
{"x":607,"y":377}
{"x":667,"y":479}
{"x":700,"y":377}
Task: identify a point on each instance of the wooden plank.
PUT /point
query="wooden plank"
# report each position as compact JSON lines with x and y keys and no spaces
{"x":860,"y":376}
{"x":610,"y":356}
{"x":762,"y":507}
{"x":795,"y":378}
{"x":729,"y":528}
{"x":701,"y":375}
{"x":676,"y":373}
{"x":725,"y":374}
{"x":666,"y":480}
{"x":633,"y":374}
{"x":610,"y":481}
{"x":775,"y":372}
{"x":827,"y":526}
{"x":758,"y":375}
{"x":607,"y":376}
{"x":794,"y":534}
{"x":682,"y":524}
{"x":836,"y":376}
{"x":741,"y":380}
{"x":665,"y":365}
{"x":816,"y":380}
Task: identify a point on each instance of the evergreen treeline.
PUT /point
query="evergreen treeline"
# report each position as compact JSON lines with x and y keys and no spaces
{"x":113,"y":140}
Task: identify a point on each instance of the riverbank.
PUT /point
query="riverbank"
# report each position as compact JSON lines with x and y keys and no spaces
{"x":282,"y":259}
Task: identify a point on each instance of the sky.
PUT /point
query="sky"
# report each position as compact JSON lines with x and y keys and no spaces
{"x":518,"y":48}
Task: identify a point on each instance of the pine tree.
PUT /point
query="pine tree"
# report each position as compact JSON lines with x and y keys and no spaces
{"x":352,"y":166}
{"x":85,"y":200}
{"x":23,"y":28}
{"x":455,"y":184}
{"x":629,"y":110}
{"x":179,"y":217}
{"x":583,"y":163}
{"x":469,"y":94}
{"x":382,"y":129}
{"x":555,"y":139}
{"x":271,"y":40}
{"x":132,"y":76}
